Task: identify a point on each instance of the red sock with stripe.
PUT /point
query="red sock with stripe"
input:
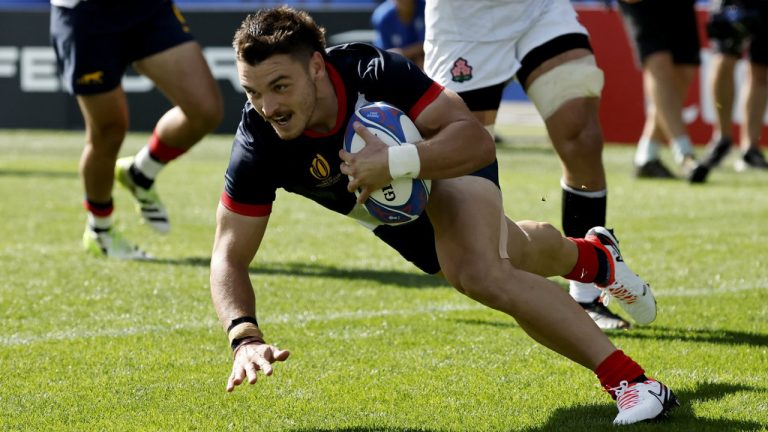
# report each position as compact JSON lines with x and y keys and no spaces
{"x":161,"y":151}
{"x":151,"y":159}
{"x":592,"y":263}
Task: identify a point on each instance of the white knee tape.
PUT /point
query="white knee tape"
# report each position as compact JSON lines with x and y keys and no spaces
{"x":575,"y":79}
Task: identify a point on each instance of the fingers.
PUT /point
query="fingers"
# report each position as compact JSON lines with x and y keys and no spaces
{"x":249,"y":362}
{"x":263,"y":364}
{"x":235,"y":378}
{"x":346,"y":168}
{"x":281,"y":355}
{"x":250,"y":370}
{"x":363,"y":195}
{"x":363,"y":131}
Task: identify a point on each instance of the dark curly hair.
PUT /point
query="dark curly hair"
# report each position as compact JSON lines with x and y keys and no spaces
{"x":281,"y":30}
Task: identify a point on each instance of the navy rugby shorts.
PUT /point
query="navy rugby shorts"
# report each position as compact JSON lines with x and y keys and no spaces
{"x":96,"y":40}
{"x":663,"y":25}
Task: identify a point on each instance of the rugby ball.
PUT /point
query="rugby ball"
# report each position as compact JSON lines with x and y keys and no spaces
{"x":404,"y":199}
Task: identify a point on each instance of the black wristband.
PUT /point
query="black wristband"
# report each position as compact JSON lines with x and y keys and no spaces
{"x":240,"y":320}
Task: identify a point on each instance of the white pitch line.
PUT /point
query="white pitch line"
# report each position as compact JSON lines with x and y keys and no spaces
{"x":704,"y":292}
{"x":73,"y":334}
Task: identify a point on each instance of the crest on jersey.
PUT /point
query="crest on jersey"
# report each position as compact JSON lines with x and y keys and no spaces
{"x":461,"y":70}
{"x":321,"y":170}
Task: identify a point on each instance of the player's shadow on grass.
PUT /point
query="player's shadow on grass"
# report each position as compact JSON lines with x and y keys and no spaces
{"x":394,"y":277}
{"x":599,"y":417}
{"x":364,"y":429}
{"x":723,"y":337}
{"x":499,"y":324}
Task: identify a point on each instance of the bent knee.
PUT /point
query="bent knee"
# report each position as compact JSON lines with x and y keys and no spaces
{"x":498,"y":287}
{"x":533,"y":251}
{"x":106,"y":137}
{"x":478,"y":279}
{"x":536,"y":231}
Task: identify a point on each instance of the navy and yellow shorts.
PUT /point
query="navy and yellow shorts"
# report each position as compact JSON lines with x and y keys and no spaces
{"x":96,"y":40}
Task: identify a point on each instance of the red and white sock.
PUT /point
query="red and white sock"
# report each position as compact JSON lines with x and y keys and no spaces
{"x":618,"y":367}
{"x":151,"y":159}
{"x":592,"y":264}
{"x":99,"y":214}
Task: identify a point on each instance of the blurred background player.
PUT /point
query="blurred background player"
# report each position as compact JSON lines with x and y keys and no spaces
{"x":666,"y":41}
{"x":736,"y":27}
{"x":95,"y":41}
{"x":542,"y":44}
{"x":399,"y":27}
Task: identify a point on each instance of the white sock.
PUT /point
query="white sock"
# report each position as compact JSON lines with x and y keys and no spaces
{"x":583,"y":292}
{"x":682,"y":147}
{"x":586,"y":194}
{"x":148,"y":166}
{"x":647,"y":150}
{"x":99,"y":222}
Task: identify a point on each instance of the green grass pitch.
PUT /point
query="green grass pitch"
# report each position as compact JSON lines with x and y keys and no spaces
{"x":89,"y":344}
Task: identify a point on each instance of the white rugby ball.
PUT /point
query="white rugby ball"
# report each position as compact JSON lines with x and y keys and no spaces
{"x":405,"y":199}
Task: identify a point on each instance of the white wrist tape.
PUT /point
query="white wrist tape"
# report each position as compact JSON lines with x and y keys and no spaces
{"x":404,"y":161}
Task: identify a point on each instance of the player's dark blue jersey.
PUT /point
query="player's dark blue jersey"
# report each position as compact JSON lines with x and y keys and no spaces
{"x":309,"y":165}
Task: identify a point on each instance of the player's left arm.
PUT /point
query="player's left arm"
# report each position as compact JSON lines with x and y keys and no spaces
{"x":456,"y":144}
{"x":237,"y":239}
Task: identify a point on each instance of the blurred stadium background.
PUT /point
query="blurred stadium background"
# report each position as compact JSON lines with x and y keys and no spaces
{"x":28,"y":79}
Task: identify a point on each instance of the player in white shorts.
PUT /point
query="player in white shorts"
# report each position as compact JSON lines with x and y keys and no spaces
{"x":475,"y":48}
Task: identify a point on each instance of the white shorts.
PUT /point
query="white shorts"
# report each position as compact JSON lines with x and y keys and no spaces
{"x":480,"y":43}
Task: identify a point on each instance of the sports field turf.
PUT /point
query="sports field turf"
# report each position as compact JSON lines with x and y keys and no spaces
{"x":89,"y":344}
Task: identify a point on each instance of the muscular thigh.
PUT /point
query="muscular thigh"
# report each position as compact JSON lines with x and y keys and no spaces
{"x":177,"y":70}
{"x":415,"y":241}
{"x":467,"y":216}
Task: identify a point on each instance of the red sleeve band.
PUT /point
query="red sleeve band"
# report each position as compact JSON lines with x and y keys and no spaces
{"x":429,"y":96}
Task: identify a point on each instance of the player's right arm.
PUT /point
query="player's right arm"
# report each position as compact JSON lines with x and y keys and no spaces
{"x":236,"y":242}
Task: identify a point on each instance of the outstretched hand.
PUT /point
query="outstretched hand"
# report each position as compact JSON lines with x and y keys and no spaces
{"x":251,"y":358}
{"x":368,"y":169}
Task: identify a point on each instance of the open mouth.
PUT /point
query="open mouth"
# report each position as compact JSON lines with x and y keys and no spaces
{"x":281,"y":120}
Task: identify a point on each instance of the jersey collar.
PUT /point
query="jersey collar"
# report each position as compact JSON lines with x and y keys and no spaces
{"x":341,"y":97}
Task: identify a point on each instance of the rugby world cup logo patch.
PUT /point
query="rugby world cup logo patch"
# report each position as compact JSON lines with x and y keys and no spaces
{"x":320,"y":169}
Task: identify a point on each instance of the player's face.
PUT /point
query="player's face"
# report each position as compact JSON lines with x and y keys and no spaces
{"x":283,"y":92}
